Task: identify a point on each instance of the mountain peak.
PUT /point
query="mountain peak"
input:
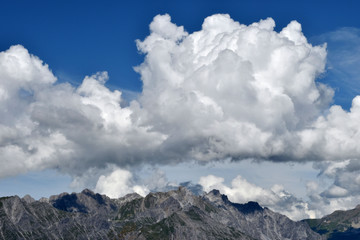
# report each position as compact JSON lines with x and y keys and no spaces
{"x":27,"y":198}
{"x":246,"y":208}
{"x":215,"y":192}
{"x":87,"y":192}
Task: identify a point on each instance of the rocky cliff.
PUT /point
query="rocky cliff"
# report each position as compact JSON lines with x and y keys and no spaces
{"x":175,"y":214}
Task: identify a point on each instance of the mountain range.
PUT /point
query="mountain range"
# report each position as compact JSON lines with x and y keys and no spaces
{"x":176,"y":214}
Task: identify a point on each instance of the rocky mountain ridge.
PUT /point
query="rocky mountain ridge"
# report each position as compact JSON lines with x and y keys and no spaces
{"x":339,"y":225}
{"x":177,"y":214}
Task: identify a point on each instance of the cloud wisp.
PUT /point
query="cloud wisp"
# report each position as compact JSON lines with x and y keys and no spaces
{"x":342,"y":63}
{"x":226,"y":91}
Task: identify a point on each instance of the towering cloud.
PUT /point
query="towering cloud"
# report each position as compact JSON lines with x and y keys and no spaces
{"x":230,"y":89}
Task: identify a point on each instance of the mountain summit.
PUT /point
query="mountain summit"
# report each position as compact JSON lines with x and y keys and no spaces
{"x":177,"y":214}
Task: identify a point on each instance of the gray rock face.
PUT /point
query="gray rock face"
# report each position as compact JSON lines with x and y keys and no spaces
{"x":257,"y":222}
{"x":175,"y":214}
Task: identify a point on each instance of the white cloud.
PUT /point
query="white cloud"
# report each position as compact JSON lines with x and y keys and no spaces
{"x":226,"y":91}
{"x":232,"y":90}
{"x":240,"y":191}
{"x":335,"y":192}
{"x":334,"y":136}
{"x":119,"y":183}
{"x":116,"y":182}
{"x":48,"y":125}
{"x":162,"y":26}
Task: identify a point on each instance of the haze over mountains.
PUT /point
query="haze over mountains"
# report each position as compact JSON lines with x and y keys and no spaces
{"x":177,"y":214}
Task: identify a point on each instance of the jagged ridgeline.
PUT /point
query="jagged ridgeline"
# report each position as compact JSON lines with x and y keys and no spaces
{"x":175,"y":214}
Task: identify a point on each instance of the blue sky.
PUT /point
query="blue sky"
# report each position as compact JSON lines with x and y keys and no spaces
{"x":82,"y":38}
{"x":78,"y":38}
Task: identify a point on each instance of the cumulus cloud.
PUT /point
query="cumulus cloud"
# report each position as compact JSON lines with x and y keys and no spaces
{"x":48,"y":125}
{"x":118,"y":183}
{"x":337,"y":187}
{"x":232,"y":90}
{"x":334,"y":136}
{"x":226,"y":91}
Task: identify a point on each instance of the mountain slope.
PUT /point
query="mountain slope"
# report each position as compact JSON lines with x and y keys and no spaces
{"x":171,"y":215}
{"x":338,"y":225}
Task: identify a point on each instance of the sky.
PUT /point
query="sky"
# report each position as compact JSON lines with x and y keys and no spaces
{"x":258,"y":99}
